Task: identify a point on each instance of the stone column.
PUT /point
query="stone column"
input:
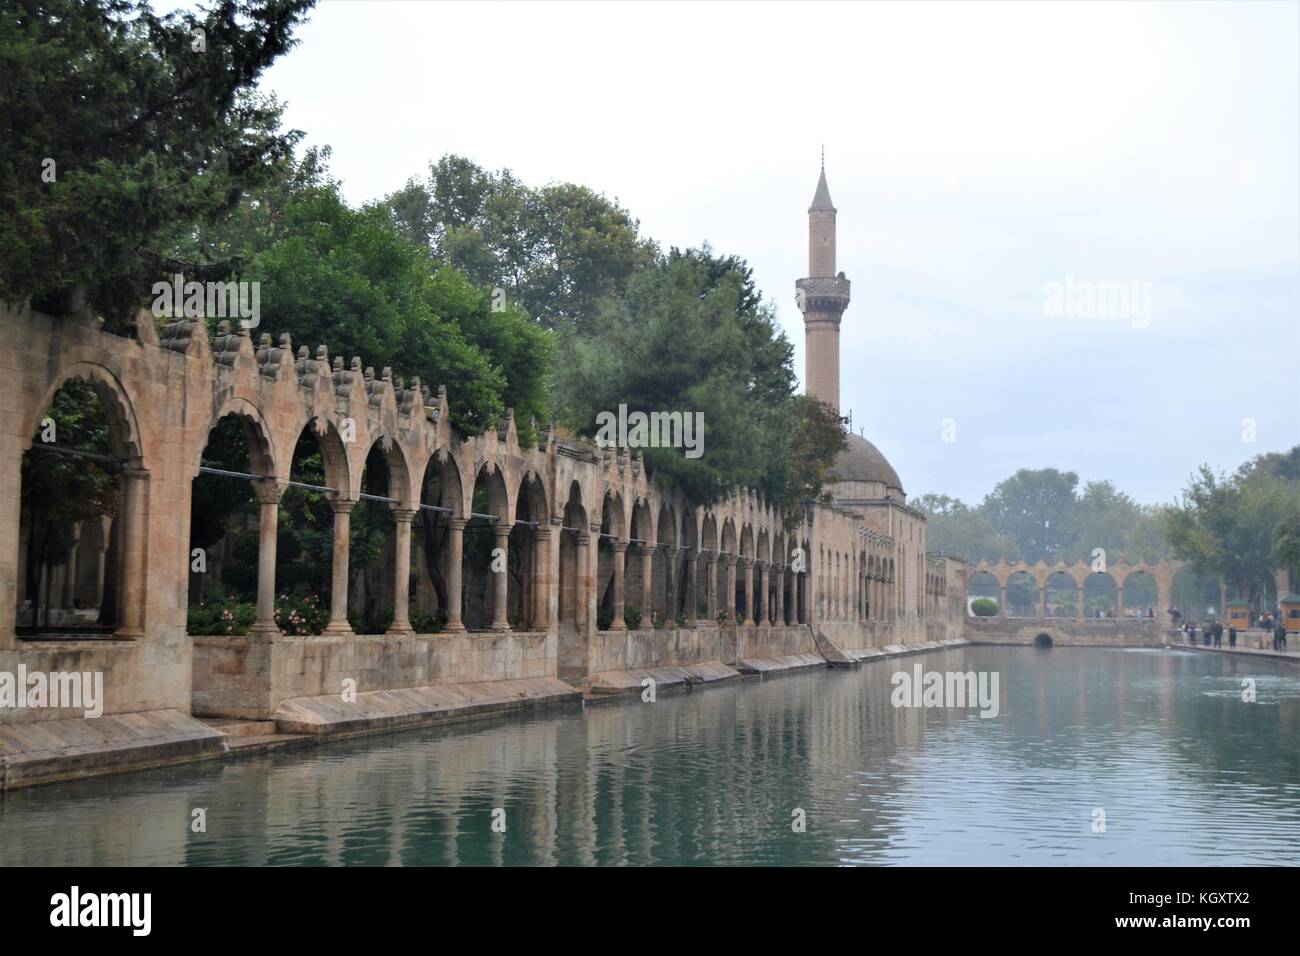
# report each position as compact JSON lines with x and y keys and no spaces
{"x":269,"y":492}
{"x":542,"y":583}
{"x":101,"y":559}
{"x":131,"y":585}
{"x":692,"y":598}
{"x":1119,"y":601}
{"x":501,"y":580}
{"x":712,"y":583}
{"x":581,"y":586}
{"x":780,"y":595}
{"x":338,"y":624}
{"x":670,"y":584}
{"x":1042,"y":602}
{"x":764,"y":580}
{"x":647,"y":584}
{"x":1003,"y":610}
{"x":620,"y":551}
{"x":401,"y":626}
{"x":1079,"y":611}
{"x":455,"y":571}
{"x":70,"y":572}
{"x":729,"y":597}
{"x":749,"y":590}
{"x":1164,"y":597}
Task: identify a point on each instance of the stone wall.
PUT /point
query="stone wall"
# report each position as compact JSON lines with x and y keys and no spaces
{"x":1110,"y":632}
{"x":633,"y":650}
{"x":241,"y":677}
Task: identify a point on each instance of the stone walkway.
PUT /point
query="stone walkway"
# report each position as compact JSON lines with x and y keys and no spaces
{"x":1292,"y":653}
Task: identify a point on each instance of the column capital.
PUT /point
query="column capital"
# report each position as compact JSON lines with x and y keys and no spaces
{"x":542,"y":534}
{"x":619,"y":545}
{"x":404,"y":515}
{"x":457,"y":524}
{"x":584,"y":539}
{"x":342,"y":506}
{"x":135,"y":471}
{"x":269,"y":491}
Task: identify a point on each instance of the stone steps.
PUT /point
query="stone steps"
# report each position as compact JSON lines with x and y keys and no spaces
{"x":256,"y":742}
{"x":627,"y":682}
{"x":241,"y":728}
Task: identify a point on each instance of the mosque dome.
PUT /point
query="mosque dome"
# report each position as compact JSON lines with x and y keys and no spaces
{"x":863,"y":462}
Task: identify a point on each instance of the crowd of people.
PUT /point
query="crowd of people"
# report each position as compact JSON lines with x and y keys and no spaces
{"x":1210,"y":634}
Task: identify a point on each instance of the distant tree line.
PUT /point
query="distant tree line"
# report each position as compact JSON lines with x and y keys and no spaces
{"x":1236,"y":528}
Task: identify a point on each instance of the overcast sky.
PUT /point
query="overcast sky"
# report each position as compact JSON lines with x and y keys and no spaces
{"x":976,"y":153}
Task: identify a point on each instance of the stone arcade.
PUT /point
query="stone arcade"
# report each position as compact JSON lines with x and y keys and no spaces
{"x":739,"y":593}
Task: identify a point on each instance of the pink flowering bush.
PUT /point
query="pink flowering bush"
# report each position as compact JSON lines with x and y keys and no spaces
{"x":301,"y":615}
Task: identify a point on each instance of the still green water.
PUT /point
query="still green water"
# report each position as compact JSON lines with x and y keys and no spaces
{"x":1160,"y":740}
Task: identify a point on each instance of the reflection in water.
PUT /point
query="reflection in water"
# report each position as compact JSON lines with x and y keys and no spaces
{"x":1160,"y":740}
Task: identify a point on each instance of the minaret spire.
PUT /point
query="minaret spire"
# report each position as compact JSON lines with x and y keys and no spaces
{"x":822,"y":298}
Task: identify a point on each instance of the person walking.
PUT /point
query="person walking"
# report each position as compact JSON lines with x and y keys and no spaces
{"x":1232,"y":637}
{"x":1279,"y":637}
{"x":1218,"y":633}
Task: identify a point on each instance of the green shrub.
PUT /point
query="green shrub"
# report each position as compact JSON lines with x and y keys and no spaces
{"x":228,"y":617}
{"x":425,"y":622}
{"x":632,"y":617}
{"x":376,"y":620}
{"x":984,"y":607}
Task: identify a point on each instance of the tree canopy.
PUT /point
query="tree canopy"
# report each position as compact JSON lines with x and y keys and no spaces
{"x":556,"y":250}
{"x":120,"y":123}
{"x":1041,"y":514}
{"x":1240,"y":527}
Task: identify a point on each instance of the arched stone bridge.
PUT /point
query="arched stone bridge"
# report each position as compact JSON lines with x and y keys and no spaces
{"x":1163,"y":572}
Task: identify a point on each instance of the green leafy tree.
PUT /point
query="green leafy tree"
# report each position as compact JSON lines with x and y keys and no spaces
{"x":1037,"y":508}
{"x":955,"y":528}
{"x":689,"y":336}
{"x":1286,"y":544}
{"x":347,"y":278}
{"x":147,"y":121}
{"x":1228,"y":527}
{"x":557,"y":250}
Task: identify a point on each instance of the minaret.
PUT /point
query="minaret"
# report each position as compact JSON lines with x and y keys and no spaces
{"x":822,"y":298}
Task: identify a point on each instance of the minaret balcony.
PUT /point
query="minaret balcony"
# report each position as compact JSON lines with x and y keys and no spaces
{"x":822,"y":294}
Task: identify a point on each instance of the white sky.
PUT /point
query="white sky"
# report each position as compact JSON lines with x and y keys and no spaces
{"x":975,"y":152}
